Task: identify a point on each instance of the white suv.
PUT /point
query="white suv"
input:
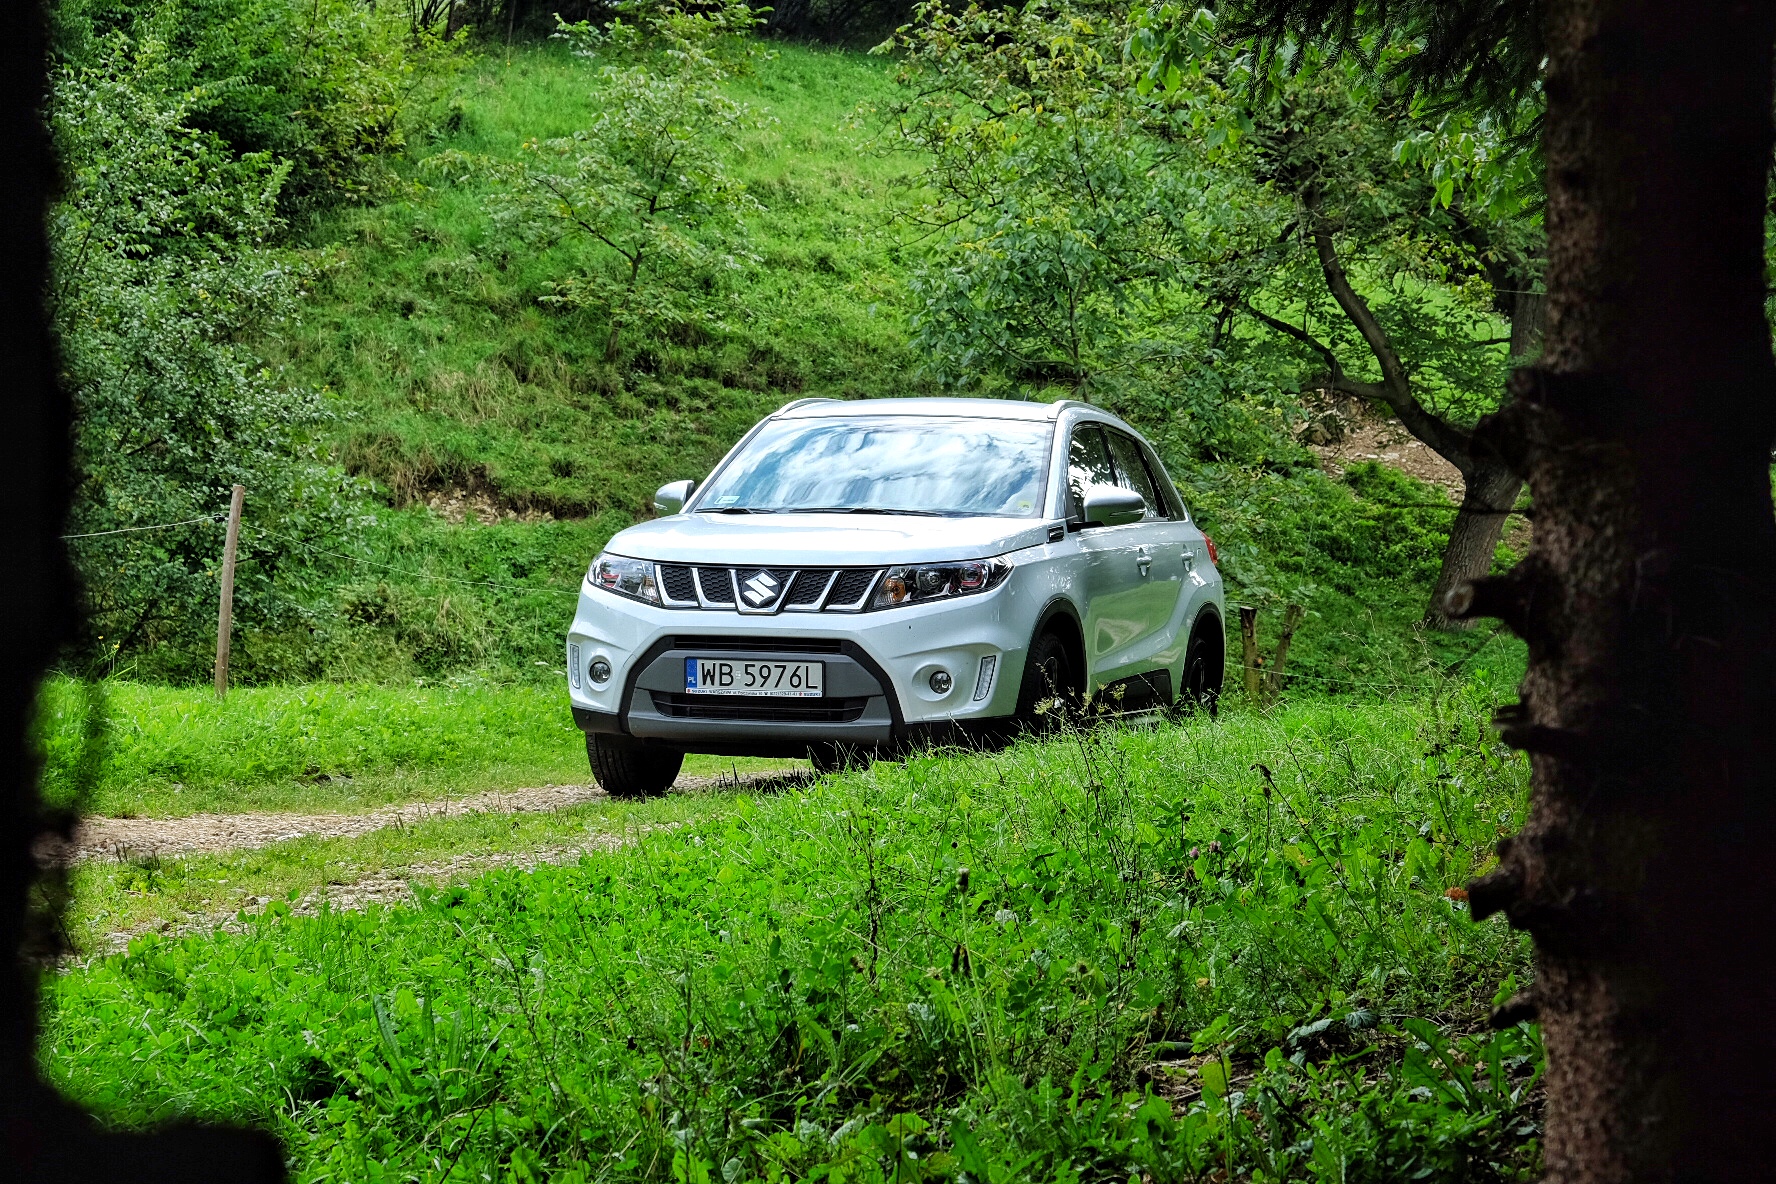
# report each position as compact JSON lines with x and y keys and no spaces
{"x":856,"y":575}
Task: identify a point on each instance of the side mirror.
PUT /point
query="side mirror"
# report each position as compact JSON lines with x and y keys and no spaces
{"x":671,"y":497}
{"x":1109,"y":505}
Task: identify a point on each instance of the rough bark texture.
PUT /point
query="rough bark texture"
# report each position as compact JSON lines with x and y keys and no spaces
{"x":1489,"y":486}
{"x":1649,"y":709}
{"x":42,"y":1137}
{"x":1489,"y":490}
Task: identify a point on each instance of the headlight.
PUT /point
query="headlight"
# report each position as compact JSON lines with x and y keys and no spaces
{"x":938,"y":581}
{"x":633,"y":578}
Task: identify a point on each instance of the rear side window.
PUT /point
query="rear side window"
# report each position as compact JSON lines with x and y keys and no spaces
{"x":1131,"y":468}
{"x":1088,"y":464}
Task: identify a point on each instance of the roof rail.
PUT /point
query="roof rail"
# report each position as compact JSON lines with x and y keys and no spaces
{"x":791,"y":406}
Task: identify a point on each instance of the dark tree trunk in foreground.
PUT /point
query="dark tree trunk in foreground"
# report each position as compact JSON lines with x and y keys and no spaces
{"x":41,"y":1136}
{"x":1489,"y":486}
{"x":1649,"y":600}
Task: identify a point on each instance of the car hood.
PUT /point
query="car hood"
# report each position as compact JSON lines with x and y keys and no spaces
{"x":838,"y":540}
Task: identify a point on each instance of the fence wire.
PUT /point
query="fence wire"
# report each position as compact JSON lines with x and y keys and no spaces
{"x":99,"y":534}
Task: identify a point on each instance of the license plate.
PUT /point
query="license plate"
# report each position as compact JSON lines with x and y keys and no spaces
{"x":728,"y":676}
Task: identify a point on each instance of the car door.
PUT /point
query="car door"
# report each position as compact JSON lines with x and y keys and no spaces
{"x":1164,"y":552}
{"x":1110,"y":578}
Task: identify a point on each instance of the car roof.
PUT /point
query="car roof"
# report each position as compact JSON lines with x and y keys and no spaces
{"x":939,"y":408}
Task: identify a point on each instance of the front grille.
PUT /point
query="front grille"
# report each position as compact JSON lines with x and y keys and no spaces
{"x":678,"y":583}
{"x":850,"y":588}
{"x":809,"y":711}
{"x":810,"y":584}
{"x":765,"y":591}
{"x":760,"y":645}
{"x":717,"y":587}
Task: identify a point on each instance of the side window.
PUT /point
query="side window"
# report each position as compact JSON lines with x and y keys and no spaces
{"x":1131,"y":468}
{"x":1088,"y":464}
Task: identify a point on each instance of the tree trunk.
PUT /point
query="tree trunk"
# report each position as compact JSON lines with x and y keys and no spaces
{"x":1489,"y":491}
{"x":1489,"y":487}
{"x":1649,"y":600}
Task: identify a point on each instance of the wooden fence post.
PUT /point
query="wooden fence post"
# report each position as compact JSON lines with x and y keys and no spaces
{"x":1273,"y":678}
{"x":225,"y":615}
{"x":1249,"y":649}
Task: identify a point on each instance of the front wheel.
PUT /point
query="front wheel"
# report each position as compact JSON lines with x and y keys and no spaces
{"x":1050,"y":693}
{"x":625,"y":768}
{"x":1205,"y":662}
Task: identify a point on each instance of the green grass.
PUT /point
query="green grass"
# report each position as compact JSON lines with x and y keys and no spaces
{"x":145,"y":892}
{"x":1361,"y":555}
{"x":450,"y":373}
{"x":1194,"y":949}
{"x":165,"y":752}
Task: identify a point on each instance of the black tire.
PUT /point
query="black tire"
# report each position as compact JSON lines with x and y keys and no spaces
{"x":625,"y":768}
{"x":1049,"y":679}
{"x":838,"y":758}
{"x":1205,"y":665}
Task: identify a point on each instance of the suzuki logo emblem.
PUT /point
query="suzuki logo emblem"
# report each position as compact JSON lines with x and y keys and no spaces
{"x":760,"y":588}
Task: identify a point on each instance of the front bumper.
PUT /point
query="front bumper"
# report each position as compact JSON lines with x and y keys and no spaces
{"x":878,"y":671}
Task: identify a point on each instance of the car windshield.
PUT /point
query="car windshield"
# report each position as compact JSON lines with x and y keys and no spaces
{"x":887,"y":465}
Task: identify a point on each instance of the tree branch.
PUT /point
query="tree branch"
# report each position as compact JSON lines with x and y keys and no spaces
{"x":1395,"y":389}
{"x":1334,"y":371}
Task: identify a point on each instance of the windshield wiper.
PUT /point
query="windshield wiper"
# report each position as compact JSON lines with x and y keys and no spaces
{"x":861,"y":510}
{"x":737,"y":510}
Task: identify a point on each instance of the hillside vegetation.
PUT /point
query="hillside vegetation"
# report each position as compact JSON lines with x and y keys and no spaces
{"x":430,"y":326}
{"x":458,"y":438}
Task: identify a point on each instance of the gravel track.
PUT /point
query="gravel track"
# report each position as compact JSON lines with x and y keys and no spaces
{"x":120,"y":839}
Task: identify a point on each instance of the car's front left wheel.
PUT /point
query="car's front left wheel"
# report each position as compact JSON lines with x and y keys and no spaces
{"x":625,"y":768}
{"x":1050,"y":694}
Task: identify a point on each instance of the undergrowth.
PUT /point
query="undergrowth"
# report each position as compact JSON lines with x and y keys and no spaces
{"x":1198,"y":951}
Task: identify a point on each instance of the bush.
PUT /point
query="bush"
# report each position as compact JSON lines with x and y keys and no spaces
{"x":322,"y":85}
{"x":162,"y":274}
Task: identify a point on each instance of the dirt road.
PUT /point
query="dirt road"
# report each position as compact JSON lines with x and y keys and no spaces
{"x":131,"y":838}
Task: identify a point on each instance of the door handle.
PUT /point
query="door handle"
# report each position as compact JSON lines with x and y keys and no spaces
{"x":1189,"y":559}
{"x":1144,"y":562}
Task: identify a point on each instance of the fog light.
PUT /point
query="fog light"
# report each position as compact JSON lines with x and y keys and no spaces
{"x":601,"y":671}
{"x":941,"y":681}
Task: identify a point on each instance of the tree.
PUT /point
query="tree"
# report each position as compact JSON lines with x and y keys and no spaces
{"x":47,"y":1138}
{"x":1125,"y":246}
{"x":1078,"y":235}
{"x":1644,"y":433}
{"x":1375,"y":189}
{"x":163,"y":277}
{"x":646,"y":183}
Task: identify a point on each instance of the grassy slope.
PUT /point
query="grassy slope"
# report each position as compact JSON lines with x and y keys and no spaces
{"x":989,"y":944}
{"x":428,"y":324}
{"x":449,"y":375}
